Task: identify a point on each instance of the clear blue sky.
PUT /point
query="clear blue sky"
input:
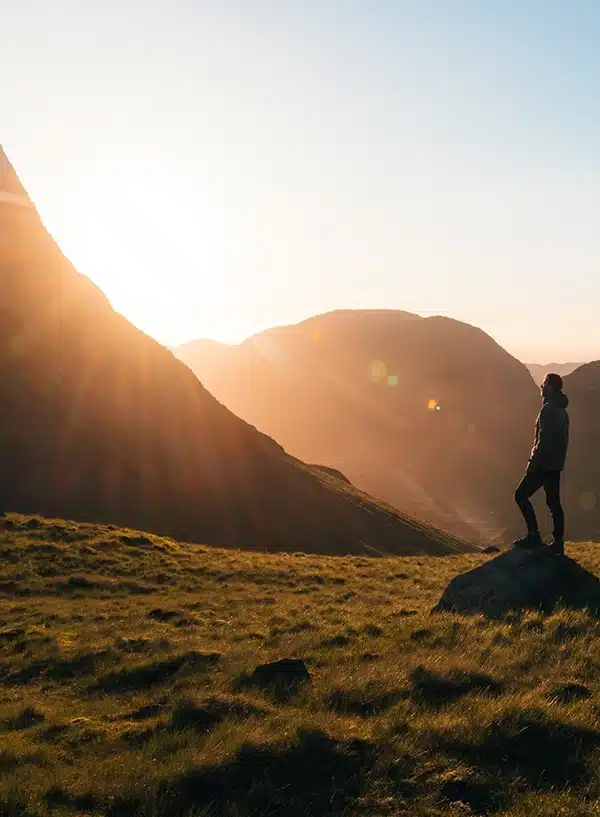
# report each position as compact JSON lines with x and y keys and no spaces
{"x":220,"y":166}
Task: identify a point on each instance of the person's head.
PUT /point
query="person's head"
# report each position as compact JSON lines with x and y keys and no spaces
{"x":552,"y":384}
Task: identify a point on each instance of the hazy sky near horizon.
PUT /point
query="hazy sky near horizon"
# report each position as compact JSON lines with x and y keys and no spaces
{"x":221,"y":166}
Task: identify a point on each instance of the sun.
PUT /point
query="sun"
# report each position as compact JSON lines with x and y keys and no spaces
{"x":149,"y":246}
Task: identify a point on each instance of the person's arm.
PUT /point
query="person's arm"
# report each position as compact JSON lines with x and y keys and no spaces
{"x":543,"y":447}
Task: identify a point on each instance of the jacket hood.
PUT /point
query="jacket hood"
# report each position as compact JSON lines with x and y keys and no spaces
{"x":558,"y":399}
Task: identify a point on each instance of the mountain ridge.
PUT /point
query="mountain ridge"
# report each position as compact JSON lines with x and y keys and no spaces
{"x":357,"y":384}
{"x":102,"y":423}
{"x":540,"y":370}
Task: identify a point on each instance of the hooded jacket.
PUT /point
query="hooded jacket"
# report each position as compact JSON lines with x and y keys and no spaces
{"x":549,"y":450}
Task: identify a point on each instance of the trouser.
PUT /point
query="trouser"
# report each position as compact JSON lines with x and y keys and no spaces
{"x":529,"y":485}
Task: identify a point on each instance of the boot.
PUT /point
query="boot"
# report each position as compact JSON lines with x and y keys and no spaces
{"x":531,"y":541}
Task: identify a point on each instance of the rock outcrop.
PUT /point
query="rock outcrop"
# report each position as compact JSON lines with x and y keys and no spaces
{"x":521,"y":579}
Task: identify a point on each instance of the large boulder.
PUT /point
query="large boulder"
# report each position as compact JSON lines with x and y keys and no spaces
{"x":521,"y":579}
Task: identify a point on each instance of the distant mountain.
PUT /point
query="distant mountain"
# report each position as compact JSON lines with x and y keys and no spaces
{"x":100,"y":422}
{"x":429,"y":413}
{"x":582,"y":473}
{"x":540,"y":370}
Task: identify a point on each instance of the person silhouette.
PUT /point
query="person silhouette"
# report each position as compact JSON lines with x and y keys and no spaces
{"x":545,"y":466}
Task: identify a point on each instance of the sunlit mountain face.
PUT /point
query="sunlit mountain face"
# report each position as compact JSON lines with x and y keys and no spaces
{"x":100,"y":422}
{"x":430,"y":413}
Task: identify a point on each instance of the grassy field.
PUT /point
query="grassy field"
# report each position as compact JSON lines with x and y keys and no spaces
{"x":126,"y":689}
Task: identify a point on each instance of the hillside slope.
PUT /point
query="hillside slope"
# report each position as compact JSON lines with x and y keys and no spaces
{"x":429,"y":413}
{"x":100,"y":422}
{"x":126,"y":691}
{"x":582,"y":473}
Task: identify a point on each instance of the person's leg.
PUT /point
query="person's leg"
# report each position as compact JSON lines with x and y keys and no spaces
{"x":531,"y":482}
{"x":552,"y":490}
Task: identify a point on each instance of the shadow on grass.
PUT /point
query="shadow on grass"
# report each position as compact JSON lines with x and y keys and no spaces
{"x":567,"y":693}
{"x":529,"y":747}
{"x":340,"y":640}
{"x":159,"y":614}
{"x":27,"y":718}
{"x":79,"y":585}
{"x":481,"y":798}
{"x":425,"y":687}
{"x":10,"y":761}
{"x":200,"y":717}
{"x":280,"y":680}
{"x":365,"y":701}
{"x":143,"y":713}
{"x":59,"y":669}
{"x":129,"y":679}
{"x":207,"y":714}
{"x":437,"y":689}
{"x":57,"y":797}
{"x":316,"y":775}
